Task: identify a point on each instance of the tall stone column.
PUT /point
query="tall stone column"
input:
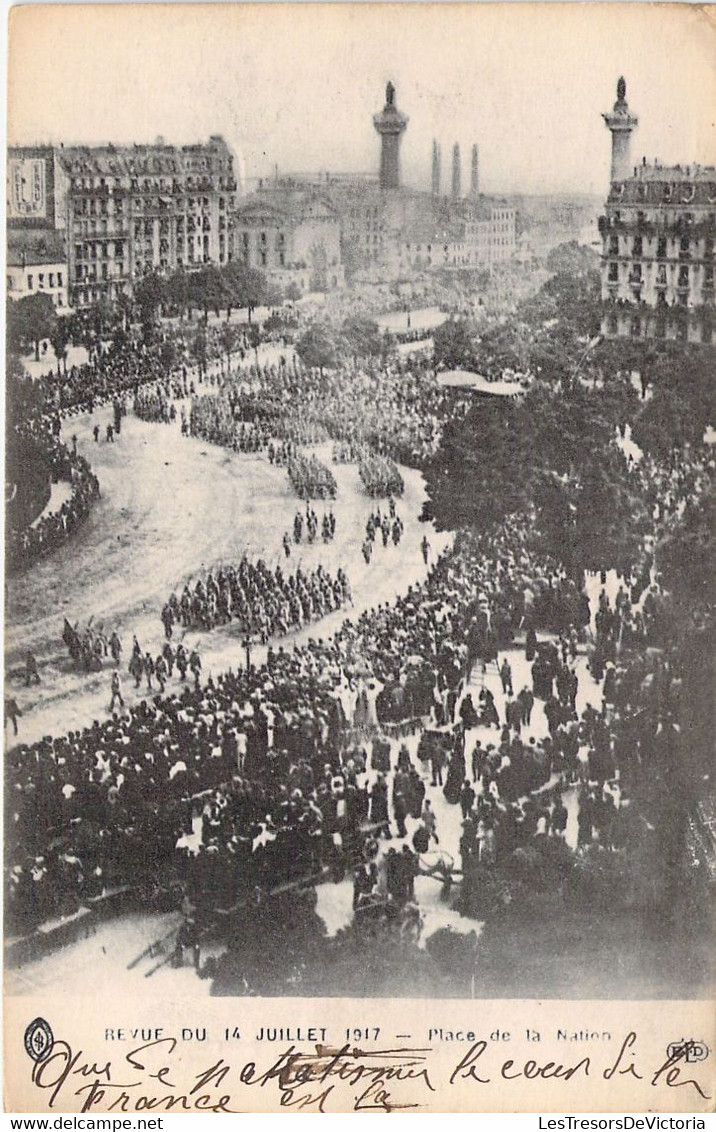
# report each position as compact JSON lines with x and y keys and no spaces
{"x":391,"y":126}
{"x":622,"y":123}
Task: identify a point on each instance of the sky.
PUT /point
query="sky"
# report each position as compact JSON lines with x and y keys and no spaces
{"x":296,"y":85}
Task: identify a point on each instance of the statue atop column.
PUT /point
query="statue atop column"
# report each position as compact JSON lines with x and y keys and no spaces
{"x":390,"y":95}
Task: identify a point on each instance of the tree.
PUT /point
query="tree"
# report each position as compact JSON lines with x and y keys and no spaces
{"x":316,"y":348}
{"x":685,"y":555}
{"x":454,"y":345}
{"x":30,"y":320}
{"x":228,"y":336}
{"x":169,"y":354}
{"x":60,"y":339}
{"x":199,"y":349}
{"x":178,"y":291}
{"x":244,"y":286}
{"x":150,"y":294}
{"x":124,"y":306}
{"x":361,"y":337}
{"x":210,"y":290}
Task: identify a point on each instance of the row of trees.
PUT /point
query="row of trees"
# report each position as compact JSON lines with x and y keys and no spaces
{"x":321,"y":346}
{"x":547,"y":335}
{"x":551,"y":455}
{"x":33,"y":319}
{"x":218,"y":288}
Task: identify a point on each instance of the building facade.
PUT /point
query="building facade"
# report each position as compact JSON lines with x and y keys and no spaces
{"x":658,"y":235}
{"x":135,"y":210}
{"x":658,"y":241}
{"x":124,"y":211}
{"x":36,"y":265}
{"x":291,"y":235}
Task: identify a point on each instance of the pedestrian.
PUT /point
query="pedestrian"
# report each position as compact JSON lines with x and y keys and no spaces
{"x":136,"y":668}
{"x":467,"y":798}
{"x":115,"y":646}
{"x":116,"y":691}
{"x":429,"y":822}
{"x":32,"y":675}
{"x":477,"y":756}
{"x":526,"y":701}
{"x":195,"y":666}
{"x":425,"y":548}
{"x":148,"y":669}
{"x":437,"y":762}
{"x":12,"y":712}
{"x":168,"y":620}
{"x":506,"y":677}
{"x":559,"y":817}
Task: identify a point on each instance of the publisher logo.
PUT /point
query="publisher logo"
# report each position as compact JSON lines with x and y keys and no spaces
{"x":687,"y":1050}
{"x":39,"y":1039}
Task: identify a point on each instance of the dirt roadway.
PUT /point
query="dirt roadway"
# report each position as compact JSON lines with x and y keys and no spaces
{"x":171,"y":508}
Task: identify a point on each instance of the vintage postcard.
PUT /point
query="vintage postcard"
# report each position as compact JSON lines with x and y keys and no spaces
{"x":359,"y":606}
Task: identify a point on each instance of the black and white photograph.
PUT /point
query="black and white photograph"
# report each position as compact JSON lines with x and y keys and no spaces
{"x":359,"y":606}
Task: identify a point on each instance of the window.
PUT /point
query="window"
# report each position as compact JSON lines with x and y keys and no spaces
{"x":52,"y":279}
{"x":29,"y":282}
{"x":637,"y":247}
{"x":59,"y":278}
{"x":41,"y":279}
{"x":661,"y":248}
{"x":613,"y":273}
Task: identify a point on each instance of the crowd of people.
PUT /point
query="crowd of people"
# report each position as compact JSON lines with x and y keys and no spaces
{"x":307,"y":523}
{"x":152,"y":403}
{"x":395,"y":406}
{"x":386,"y":526}
{"x":380,"y":475}
{"x":91,"y":646}
{"x":292,"y":768}
{"x":310,"y":477}
{"x":249,"y":731}
{"x":265,"y":602}
{"x":52,"y":527}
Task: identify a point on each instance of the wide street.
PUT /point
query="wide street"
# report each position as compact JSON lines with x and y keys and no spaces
{"x":173,"y":507}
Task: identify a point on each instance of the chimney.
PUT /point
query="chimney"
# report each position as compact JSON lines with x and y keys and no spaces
{"x":456,"y":171}
{"x":474,"y":174}
{"x":436,"y":170}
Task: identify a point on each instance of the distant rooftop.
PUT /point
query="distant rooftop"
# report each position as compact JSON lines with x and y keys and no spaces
{"x":655,"y":171}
